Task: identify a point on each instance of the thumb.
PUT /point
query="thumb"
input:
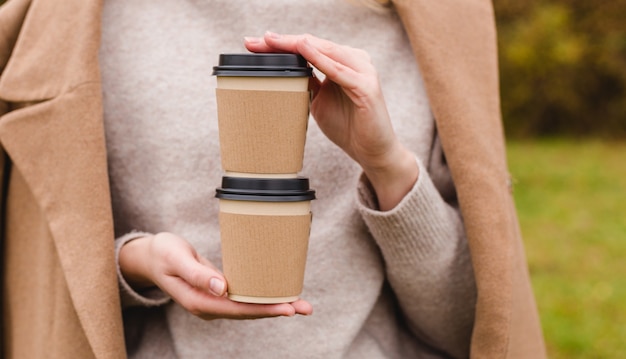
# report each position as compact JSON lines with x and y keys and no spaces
{"x":314,"y":86}
{"x":202,"y":274}
{"x":217,"y":283}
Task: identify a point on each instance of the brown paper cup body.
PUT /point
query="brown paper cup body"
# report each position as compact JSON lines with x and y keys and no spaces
{"x":264,"y":248}
{"x":262,"y":128}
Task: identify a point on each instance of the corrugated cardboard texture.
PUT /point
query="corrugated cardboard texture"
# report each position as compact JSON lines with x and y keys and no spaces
{"x":262,"y":131}
{"x":264,"y":256}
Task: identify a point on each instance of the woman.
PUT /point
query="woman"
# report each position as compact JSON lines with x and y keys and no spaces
{"x":55,"y":113}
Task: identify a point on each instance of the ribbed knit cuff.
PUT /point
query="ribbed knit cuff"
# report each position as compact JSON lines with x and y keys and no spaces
{"x":421,"y":226}
{"x":131,"y":298}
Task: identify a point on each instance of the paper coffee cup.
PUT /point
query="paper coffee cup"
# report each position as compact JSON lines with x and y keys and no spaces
{"x":264,"y":229}
{"x":262,"y":110}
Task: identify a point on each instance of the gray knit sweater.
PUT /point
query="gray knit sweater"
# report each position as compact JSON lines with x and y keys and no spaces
{"x":394,"y":284}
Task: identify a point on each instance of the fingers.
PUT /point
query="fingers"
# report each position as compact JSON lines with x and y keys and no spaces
{"x":302,"y":307}
{"x":334,"y":70}
{"x":203,"y":278}
{"x":208,"y":306}
{"x":225,"y":308}
{"x":199,"y":287}
{"x":272,"y":42}
{"x":340,"y":63}
{"x":258,"y":44}
{"x":173,"y":256}
{"x":353,"y":58}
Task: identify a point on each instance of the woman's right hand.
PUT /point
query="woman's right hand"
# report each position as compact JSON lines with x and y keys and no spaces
{"x":171,"y":263}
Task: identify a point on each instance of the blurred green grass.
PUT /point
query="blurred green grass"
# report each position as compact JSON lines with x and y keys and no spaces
{"x":571,"y":199}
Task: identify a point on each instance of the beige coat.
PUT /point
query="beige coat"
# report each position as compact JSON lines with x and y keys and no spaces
{"x":60,"y":297}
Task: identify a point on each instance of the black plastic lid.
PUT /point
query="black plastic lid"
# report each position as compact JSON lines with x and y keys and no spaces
{"x":255,"y":65}
{"x":265,"y":189}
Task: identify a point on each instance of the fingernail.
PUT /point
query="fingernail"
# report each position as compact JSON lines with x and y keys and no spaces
{"x":216,"y":286}
{"x":273,"y":35}
{"x":251,"y":40}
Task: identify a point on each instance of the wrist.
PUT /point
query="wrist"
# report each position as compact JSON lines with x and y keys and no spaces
{"x":393,"y":178}
{"x":134,"y":263}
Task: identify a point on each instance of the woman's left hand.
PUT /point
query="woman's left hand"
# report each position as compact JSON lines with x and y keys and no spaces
{"x":350,"y":109}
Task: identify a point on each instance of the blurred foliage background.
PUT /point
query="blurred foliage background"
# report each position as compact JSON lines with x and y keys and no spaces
{"x":563,"y":85}
{"x":563,"y":67}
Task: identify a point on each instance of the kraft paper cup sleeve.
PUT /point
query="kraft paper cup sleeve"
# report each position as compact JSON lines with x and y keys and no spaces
{"x":264,"y":256}
{"x":262,"y":131}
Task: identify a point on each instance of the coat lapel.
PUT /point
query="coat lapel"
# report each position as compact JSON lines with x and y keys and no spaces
{"x":55,"y":138}
{"x":455,"y":45}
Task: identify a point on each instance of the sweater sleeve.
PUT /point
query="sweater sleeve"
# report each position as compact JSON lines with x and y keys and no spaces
{"x":427,"y":261}
{"x":131,"y":298}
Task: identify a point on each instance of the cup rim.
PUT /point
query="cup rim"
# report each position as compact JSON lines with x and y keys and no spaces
{"x":262,"y":65}
{"x":265,"y":189}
